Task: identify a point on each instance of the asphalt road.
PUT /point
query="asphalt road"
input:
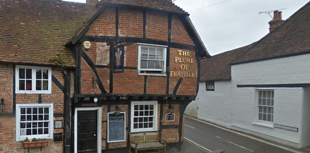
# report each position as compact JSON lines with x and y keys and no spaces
{"x":213,"y":138}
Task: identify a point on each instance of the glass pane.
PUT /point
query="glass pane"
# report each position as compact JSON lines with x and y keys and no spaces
{"x":260,"y":109}
{"x":28,"y":125}
{"x":145,"y":119}
{"x":264,"y":117}
{"x":271,"y":118}
{"x":264,"y":101}
{"x":22,"y":125}
{"x":22,"y":110}
{"x":272,"y":102}
{"x":144,"y":56}
{"x":268,"y":102}
{"x":23,"y":118}
{"x":144,"y":64}
{"x":29,"y":118}
{"x":150,"y":118}
{"x":136,"y":113}
{"x":144,"y":50}
{"x":146,"y":107}
{"x":45,"y":74}
{"x":141,"y":119}
{"x":135,"y":120}
{"x":260,"y":94}
{"x":45,"y":85}
{"x":34,"y":110}
{"x":40,"y":131}
{"x":146,"y":113}
{"x":259,"y":101}
{"x":21,"y":84}
{"x":45,"y":117}
{"x":152,"y":51}
{"x":264,"y":94}
{"x":150,"y":125}
{"x":136,"y":107}
{"x":38,"y":74}
{"x":260,"y":116}
{"x":272,"y":110}
{"x":40,"y":117}
{"x":151,"y":64}
{"x":135,"y":126}
{"x":34,"y":124}
{"x":151,"y":107}
{"x":38,"y":85}
{"x":40,"y":124}
{"x":35,"y":117}
{"x":264,"y":109}
{"x":28,"y":85}
{"x":140,"y":107}
{"x":22,"y":73}
{"x":140,"y":125}
{"x":152,"y":57}
{"x":272,"y":94}
{"x":269,"y":110}
{"x":45,"y":130}
{"x":45,"y":124}
{"x":46,"y":110}
{"x":28,"y":74}
{"x":146,"y":125}
{"x":158,"y":64}
{"x":151,"y":112}
{"x":29,"y":111}
{"x":28,"y":131}
{"x":141,"y":113}
{"x":40,"y":110}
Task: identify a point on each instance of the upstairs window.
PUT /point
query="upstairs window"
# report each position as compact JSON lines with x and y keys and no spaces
{"x":210,"y":85}
{"x":152,"y":59}
{"x":33,"y":79}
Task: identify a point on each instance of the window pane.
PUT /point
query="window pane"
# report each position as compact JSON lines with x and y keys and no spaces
{"x":140,"y":119}
{"x":21,"y":84}
{"x":22,"y":125}
{"x":22,"y":111}
{"x":136,"y":107}
{"x":45,"y":130}
{"x":46,"y":110}
{"x":135,"y":120}
{"x":150,"y":125}
{"x":268,"y":102}
{"x":152,"y":52}
{"x":38,"y":85}
{"x":45,"y":85}
{"x":34,"y":124}
{"x":141,"y":113}
{"x":40,"y":117}
{"x":40,"y":110}
{"x":23,"y":118}
{"x":28,"y":131}
{"x":28,"y":85}
{"x":135,"y":126}
{"x":146,"y":113}
{"x":28,"y":74}
{"x":145,"y":119}
{"x":34,"y":110}
{"x":136,"y":113}
{"x":28,"y":125}
{"x":264,"y":101}
{"x":146,"y":107}
{"x":158,"y":64}
{"x":264,"y":117}
{"x":140,"y":125}
{"x":38,"y":74}
{"x":151,"y":64}
{"x":146,"y":125}
{"x":40,"y":131}
{"x":45,"y":117}
{"x":144,"y":56}
{"x":259,"y":101}
{"x":141,"y":107}
{"x":21,"y":73}
{"x":144,"y":64}
{"x":29,"y":118}
{"x":151,"y":107}
{"x":45,"y":74}
{"x":260,"y":109}
{"x":29,"y":111}
{"x":144,"y":50}
{"x":151,"y":112}
{"x":150,"y":118}
{"x":35,"y":117}
{"x":45,"y":124}
{"x":40,"y":124}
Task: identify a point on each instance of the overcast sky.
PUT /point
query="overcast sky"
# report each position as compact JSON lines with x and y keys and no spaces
{"x":224,"y":25}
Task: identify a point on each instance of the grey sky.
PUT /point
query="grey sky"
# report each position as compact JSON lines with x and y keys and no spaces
{"x":224,"y":25}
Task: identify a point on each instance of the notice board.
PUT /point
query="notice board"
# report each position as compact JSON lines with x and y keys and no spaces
{"x":116,"y":127}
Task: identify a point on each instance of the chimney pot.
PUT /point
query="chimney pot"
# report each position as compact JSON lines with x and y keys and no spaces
{"x":277,"y":20}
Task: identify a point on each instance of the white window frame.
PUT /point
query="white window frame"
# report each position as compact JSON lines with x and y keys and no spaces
{"x":163,"y":71}
{"x":33,"y":79}
{"x":19,"y":137}
{"x":261,"y":122}
{"x":155,"y":103}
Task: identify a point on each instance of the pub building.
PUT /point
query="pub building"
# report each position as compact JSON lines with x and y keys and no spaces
{"x":89,"y":77}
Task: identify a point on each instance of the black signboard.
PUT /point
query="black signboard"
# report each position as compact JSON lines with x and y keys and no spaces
{"x":116,"y":127}
{"x":119,"y":59}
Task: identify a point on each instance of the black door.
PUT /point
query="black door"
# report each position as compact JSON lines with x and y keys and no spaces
{"x":87,"y":131}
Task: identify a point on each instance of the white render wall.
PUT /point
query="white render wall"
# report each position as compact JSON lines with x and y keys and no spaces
{"x":237,"y":107}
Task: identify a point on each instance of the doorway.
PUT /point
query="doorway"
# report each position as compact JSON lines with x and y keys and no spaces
{"x":87,"y":130}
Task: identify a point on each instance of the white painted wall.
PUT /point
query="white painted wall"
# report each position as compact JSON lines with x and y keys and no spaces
{"x":237,"y":107}
{"x":215,"y":106}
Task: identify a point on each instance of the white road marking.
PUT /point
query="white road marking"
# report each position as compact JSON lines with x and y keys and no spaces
{"x":235,"y":144}
{"x":190,"y":126}
{"x":200,"y":146}
{"x":260,"y":140}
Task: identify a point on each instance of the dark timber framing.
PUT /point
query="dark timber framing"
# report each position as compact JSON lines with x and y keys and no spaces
{"x":145,"y":85}
{"x":144,"y":23}
{"x":177,"y":86}
{"x":111,"y":69}
{"x":57,"y":83}
{"x":14,"y":93}
{"x":274,"y":85}
{"x":39,"y":98}
{"x":168,"y":53}
{"x":113,"y":39}
{"x":67,"y":112}
{"x":93,"y":67}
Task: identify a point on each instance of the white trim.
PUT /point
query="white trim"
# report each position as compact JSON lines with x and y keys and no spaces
{"x":99,"y":127}
{"x":33,"y":91}
{"x":163,"y":71}
{"x":109,"y":129}
{"x":51,"y":124}
{"x":155,"y":103}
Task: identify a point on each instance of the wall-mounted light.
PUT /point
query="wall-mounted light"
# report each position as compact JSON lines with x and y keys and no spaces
{"x":117,"y":110}
{"x":95,"y":100}
{"x":2,"y":104}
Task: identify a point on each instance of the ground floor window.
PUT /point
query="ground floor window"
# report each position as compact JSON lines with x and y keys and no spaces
{"x":143,"y":116}
{"x":265,"y":105}
{"x":34,"y":121}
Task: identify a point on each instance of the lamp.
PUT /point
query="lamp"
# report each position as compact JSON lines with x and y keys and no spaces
{"x":95,"y":100}
{"x":2,"y":104}
{"x":117,"y":110}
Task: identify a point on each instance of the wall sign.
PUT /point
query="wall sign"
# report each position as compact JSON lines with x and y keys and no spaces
{"x":170,"y":117}
{"x":185,"y":62}
{"x":284,"y":127}
{"x":119,"y":59}
{"x":58,"y":124}
{"x":116,"y":127}
{"x":86,"y":44}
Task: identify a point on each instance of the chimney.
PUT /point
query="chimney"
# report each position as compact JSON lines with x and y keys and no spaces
{"x":91,"y":2}
{"x":277,"y":20}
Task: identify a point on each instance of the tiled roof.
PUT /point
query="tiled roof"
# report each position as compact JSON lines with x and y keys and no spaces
{"x":165,"y":5}
{"x":291,"y":38}
{"x":218,"y":66}
{"x":35,"y":31}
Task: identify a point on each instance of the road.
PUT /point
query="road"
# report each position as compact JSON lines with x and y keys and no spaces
{"x":212,"y":138}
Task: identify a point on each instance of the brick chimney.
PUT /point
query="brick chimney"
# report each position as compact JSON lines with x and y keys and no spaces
{"x":277,"y":20}
{"x":91,"y":2}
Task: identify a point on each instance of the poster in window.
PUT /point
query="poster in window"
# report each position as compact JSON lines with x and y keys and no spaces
{"x":119,"y":59}
{"x":116,"y":127}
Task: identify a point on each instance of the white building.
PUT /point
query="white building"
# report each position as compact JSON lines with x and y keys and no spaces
{"x":263,"y":88}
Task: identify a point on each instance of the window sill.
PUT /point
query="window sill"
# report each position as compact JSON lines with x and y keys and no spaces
{"x":33,"y":92}
{"x":268,"y":125}
{"x":152,"y":74}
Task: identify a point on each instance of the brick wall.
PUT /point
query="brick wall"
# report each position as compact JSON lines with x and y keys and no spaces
{"x":157,"y":26}
{"x":8,"y":142}
{"x":178,"y":32}
{"x":104,"y":25}
{"x":130,"y":23}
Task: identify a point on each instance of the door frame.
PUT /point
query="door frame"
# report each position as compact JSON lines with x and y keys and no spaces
{"x":99,"y":126}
